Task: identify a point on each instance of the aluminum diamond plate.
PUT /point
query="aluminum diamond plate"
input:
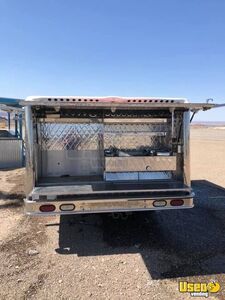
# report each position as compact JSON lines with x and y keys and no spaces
{"x":63,"y":136}
{"x":129,"y":164}
{"x":135,"y":136}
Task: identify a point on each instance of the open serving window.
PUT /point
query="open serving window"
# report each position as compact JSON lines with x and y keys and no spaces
{"x":95,"y":148}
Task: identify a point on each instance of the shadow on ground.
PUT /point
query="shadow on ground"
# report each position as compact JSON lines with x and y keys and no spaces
{"x":172,"y":243}
{"x":11,"y":200}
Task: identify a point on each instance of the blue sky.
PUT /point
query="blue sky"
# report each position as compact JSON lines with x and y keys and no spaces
{"x":170,"y":48}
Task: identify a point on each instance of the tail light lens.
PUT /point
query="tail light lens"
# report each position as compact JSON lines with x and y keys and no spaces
{"x":176,"y":202}
{"x":67,"y":207}
{"x":47,"y":208}
{"x":159,"y":203}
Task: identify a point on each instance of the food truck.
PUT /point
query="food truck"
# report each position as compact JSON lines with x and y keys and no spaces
{"x":107,"y":154}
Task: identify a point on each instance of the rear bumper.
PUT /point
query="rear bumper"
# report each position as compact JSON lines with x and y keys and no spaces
{"x":32,"y":207}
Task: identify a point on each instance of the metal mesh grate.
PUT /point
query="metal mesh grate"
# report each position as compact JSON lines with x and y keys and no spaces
{"x":70,"y":136}
{"x":136,"y":136}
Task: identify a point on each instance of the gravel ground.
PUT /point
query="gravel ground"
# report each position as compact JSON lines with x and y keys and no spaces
{"x":98,"y":257}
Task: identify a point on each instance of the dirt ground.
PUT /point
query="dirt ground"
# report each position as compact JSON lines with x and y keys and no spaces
{"x":97,"y":257}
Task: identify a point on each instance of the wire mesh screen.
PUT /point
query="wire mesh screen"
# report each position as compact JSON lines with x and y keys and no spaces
{"x":64,"y":136}
{"x":55,"y":136}
{"x":69,"y":149}
{"x":81,"y":149}
{"x":136,"y":136}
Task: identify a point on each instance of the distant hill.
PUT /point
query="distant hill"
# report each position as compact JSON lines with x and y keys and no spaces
{"x":207,"y":124}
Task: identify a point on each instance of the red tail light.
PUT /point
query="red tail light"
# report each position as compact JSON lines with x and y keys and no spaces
{"x":47,"y":208}
{"x":176,"y":202}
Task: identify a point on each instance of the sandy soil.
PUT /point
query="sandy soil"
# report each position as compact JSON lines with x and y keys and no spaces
{"x":97,"y":257}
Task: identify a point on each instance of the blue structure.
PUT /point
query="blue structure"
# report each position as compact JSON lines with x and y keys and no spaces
{"x":12,"y":106}
{"x":11,"y":102}
{"x":11,"y":138}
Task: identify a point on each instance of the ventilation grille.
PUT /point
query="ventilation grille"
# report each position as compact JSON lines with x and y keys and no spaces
{"x":115,"y":100}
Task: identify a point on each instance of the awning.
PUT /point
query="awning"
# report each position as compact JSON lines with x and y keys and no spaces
{"x":115,"y":102}
{"x":10,"y":104}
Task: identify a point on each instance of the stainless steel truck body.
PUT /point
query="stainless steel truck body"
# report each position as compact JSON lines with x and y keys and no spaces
{"x":107,"y":154}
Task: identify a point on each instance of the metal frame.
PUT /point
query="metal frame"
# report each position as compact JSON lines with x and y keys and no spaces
{"x":186,"y":148}
{"x":111,"y":111}
{"x":105,"y":206}
{"x":30,"y":159}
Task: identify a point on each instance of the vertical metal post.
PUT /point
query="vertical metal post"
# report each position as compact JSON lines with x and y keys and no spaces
{"x":20,"y":125}
{"x":9,"y":123}
{"x":30,"y":172}
{"x":186,"y":147}
{"x":16,"y":125}
{"x":20,"y":135}
{"x":172,"y":129}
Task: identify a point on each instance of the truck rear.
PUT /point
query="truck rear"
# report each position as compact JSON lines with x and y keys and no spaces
{"x":107,"y":154}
